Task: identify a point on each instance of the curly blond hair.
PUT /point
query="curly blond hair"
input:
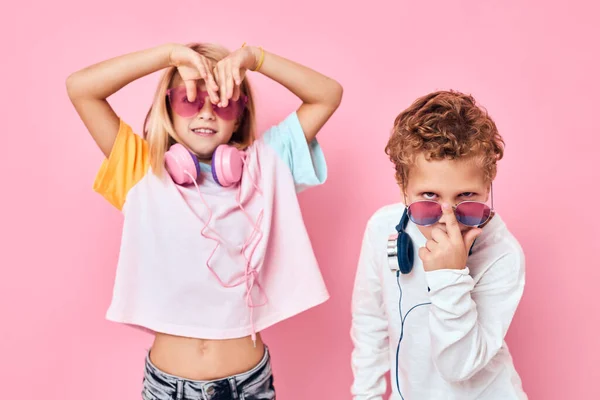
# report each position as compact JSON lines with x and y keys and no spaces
{"x":444,"y":125}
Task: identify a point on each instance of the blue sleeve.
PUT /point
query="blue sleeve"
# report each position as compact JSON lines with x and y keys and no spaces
{"x":306,"y":161}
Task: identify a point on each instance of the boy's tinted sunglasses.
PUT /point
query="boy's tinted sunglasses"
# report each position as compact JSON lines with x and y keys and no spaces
{"x":469,"y":213}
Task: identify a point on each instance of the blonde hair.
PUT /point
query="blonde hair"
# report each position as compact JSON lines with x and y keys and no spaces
{"x":158,"y":126}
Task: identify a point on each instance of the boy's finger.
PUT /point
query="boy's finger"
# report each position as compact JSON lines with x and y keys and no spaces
{"x":438,"y":235}
{"x":451,"y":222}
{"x":470,"y":236}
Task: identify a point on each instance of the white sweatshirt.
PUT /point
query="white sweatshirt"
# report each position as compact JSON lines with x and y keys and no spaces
{"x":453,"y":344}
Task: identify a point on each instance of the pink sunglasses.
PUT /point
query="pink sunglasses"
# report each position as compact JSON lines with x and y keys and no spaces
{"x":179,"y":103}
{"x":469,"y":213}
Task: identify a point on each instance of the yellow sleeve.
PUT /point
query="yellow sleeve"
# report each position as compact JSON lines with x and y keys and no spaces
{"x":127,"y":163}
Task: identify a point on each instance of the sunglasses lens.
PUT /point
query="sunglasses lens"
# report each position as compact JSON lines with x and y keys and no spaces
{"x":184,"y":108}
{"x":181,"y":105}
{"x":472,"y":213}
{"x":232,"y":111}
{"x":425,"y":212}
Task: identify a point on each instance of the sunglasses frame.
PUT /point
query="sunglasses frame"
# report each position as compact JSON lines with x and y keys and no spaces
{"x":489,"y":218}
{"x":243,"y":99}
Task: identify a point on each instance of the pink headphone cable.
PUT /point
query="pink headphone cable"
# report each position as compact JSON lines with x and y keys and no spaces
{"x":250,"y":273}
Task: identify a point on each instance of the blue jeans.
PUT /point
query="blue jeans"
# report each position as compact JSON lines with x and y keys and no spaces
{"x":252,"y":385}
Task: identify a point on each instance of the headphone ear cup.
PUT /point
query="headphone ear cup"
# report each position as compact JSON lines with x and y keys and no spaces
{"x":227,"y":165}
{"x":405,"y":253}
{"x":180,"y":164}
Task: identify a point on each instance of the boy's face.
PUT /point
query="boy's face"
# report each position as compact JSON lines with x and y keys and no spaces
{"x":445,"y":181}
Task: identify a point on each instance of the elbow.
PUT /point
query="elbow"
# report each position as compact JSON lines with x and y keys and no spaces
{"x":455,"y":366}
{"x":330,"y":95}
{"x":456,"y":369}
{"x":71,"y":84}
{"x":455,"y":375}
{"x":76,"y":87}
{"x":336,"y":93}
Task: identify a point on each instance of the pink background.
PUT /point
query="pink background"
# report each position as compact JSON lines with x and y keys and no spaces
{"x":534,"y":66}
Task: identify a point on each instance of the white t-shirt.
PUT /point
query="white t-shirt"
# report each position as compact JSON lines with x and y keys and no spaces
{"x":453,"y":322}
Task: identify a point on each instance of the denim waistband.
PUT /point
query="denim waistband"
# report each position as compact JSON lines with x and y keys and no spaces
{"x":209,"y":389}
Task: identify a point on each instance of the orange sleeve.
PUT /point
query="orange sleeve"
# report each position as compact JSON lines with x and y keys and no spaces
{"x":126,"y":165}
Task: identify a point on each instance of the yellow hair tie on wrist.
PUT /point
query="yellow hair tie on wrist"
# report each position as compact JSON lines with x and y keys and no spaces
{"x":262,"y":58}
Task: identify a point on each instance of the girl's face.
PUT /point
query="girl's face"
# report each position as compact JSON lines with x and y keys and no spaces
{"x":205,"y":130}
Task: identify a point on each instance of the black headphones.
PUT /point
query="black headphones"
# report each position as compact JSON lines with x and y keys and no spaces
{"x":400,"y":259}
{"x":400,"y":249}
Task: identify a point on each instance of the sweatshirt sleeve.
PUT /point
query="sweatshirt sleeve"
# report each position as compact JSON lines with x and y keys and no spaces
{"x":468,"y":322}
{"x":369,"y":329}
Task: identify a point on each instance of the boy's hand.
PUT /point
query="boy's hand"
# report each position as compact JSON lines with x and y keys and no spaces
{"x":448,"y":250}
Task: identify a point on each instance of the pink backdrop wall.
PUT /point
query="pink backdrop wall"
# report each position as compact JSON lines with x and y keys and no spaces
{"x":533,"y":64}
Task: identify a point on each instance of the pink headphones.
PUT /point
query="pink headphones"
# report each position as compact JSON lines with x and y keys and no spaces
{"x":227,"y":165}
{"x":184,"y":167}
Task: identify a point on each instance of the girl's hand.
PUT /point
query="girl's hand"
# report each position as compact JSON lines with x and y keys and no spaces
{"x":231,"y":71}
{"x":191,"y":67}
